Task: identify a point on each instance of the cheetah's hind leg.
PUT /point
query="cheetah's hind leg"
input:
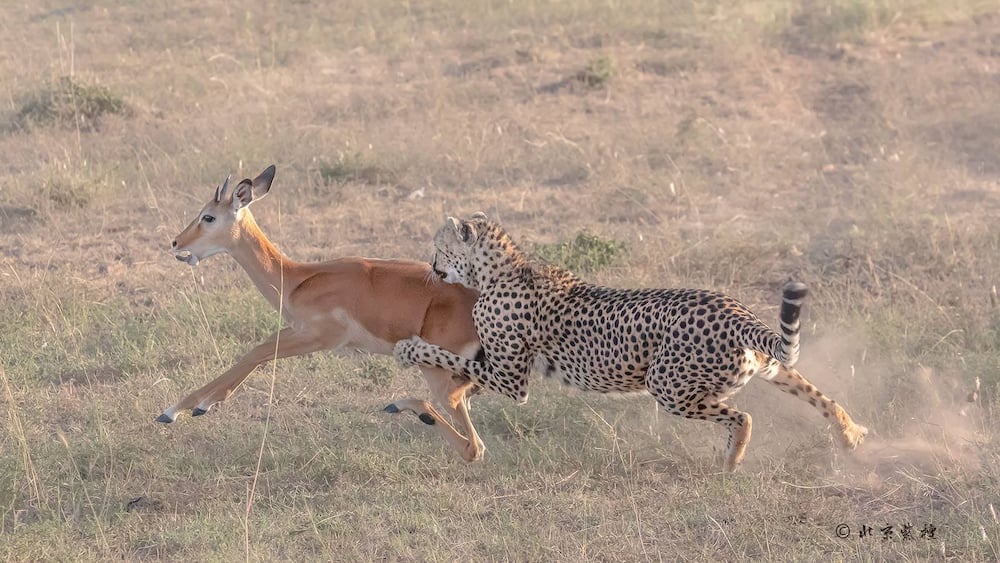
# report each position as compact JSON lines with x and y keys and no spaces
{"x":789,"y":380}
{"x":678,"y":396}
{"x":739,"y":424}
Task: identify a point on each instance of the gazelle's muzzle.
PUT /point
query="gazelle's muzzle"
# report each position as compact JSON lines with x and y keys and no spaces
{"x":186,"y":256}
{"x":183,"y":255}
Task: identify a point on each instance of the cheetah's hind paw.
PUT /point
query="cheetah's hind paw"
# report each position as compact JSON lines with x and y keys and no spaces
{"x":853,"y":436}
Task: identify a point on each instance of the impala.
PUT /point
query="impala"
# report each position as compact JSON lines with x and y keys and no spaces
{"x":348,"y":303}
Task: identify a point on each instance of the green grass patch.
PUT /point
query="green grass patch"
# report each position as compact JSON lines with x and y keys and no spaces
{"x":598,"y":73}
{"x":355,"y":168}
{"x":68,"y":102}
{"x":817,"y":26}
{"x":65,"y":192}
{"x":584,"y":253}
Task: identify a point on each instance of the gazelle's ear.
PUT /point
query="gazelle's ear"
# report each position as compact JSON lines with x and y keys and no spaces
{"x":243,"y":194}
{"x":249,"y":191}
{"x":262,"y":183}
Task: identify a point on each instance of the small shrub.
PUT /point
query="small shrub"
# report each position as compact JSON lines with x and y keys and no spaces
{"x":598,"y":73}
{"x":68,"y":103}
{"x":65,"y":193}
{"x":819,"y":25}
{"x":354,"y":168}
{"x":377,"y":371}
{"x":584,"y":253}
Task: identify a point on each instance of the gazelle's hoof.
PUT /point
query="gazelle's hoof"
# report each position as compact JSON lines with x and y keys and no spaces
{"x":164,"y":418}
{"x":198,"y":411}
{"x":391,"y":408}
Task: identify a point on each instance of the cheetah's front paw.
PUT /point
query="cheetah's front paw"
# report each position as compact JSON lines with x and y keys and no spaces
{"x":405,"y":351}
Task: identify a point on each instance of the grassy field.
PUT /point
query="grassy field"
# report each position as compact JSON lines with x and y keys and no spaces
{"x":852,"y":144}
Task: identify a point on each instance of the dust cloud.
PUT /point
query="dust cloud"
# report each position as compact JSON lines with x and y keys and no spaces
{"x":923,"y":421}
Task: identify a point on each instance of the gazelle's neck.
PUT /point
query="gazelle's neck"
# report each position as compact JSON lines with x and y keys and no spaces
{"x":271,"y":271}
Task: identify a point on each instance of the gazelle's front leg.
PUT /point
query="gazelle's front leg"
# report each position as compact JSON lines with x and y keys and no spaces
{"x":504,"y":371}
{"x":283,"y":344}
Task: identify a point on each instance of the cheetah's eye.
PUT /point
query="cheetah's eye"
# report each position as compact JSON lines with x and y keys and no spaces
{"x":207,"y":218}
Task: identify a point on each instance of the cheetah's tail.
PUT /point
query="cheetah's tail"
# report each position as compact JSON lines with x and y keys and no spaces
{"x":792,"y":296}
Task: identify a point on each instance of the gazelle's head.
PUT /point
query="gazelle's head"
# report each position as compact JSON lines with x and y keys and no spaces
{"x":216,"y":227}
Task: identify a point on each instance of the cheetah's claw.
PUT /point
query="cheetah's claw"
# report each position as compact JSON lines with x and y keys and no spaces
{"x":853,"y":437}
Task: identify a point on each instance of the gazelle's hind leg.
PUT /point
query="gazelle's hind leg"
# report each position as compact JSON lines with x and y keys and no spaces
{"x":791,"y":381}
{"x":452,"y":395}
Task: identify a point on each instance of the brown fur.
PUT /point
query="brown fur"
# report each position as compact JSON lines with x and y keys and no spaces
{"x":348,"y":303}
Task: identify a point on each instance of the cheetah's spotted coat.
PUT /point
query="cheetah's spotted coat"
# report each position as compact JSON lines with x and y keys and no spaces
{"x":691,"y":349}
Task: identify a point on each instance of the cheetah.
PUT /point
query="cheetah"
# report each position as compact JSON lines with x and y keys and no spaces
{"x":691,"y":349}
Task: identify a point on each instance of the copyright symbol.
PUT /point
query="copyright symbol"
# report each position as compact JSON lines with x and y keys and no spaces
{"x":843,"y":531}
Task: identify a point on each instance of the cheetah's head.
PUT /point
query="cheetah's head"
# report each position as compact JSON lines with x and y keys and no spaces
{"x":454,"y":249}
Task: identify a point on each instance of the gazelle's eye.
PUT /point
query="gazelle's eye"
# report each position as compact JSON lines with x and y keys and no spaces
{"x":207,"y":218}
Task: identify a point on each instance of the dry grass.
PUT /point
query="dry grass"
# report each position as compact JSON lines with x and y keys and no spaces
{"x":726,"y":145}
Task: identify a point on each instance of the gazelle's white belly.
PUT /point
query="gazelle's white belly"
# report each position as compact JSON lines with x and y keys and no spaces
{"x":356,"y":336}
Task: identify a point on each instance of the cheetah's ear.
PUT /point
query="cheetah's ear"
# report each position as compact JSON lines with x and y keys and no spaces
{"x":464,"y":230}
{"x":468,"y":232}
{"x":476,"y":223}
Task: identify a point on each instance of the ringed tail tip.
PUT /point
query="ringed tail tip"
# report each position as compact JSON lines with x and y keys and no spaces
{"x":792,"y":296}
{"x":794,"y":291}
